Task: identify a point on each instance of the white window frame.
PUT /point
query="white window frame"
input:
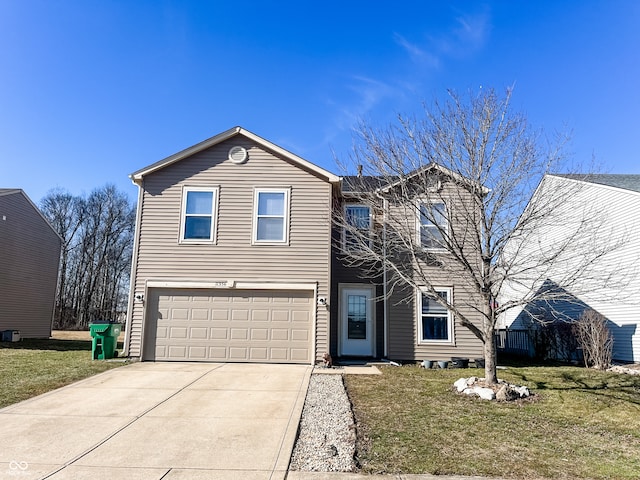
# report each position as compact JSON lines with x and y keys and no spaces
{"x":450,"y":323}
{"x":214,"y":215}
{"x":445,"y":227}
{"x":287,"y":201}
{"x":344,"y":229}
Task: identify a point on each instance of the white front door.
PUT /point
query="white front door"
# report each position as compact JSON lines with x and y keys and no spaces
{"x":356,"y":319}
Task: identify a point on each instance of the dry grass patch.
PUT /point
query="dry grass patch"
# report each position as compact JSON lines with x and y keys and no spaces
{"x":582,"y":424}
{"x":32,"y":367}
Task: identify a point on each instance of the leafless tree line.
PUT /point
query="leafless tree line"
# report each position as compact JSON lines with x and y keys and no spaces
{"x":97,"y":235}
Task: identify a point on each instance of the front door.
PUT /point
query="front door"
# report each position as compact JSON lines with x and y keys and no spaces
{"x":356,"y":319}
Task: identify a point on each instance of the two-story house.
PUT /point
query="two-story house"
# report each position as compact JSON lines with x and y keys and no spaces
{"x":237,"y":259}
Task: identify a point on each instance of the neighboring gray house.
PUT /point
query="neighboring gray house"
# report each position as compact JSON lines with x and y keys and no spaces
{"x":612,"y":285}
{"x":29,"y":259}
{"x":234,"y":261}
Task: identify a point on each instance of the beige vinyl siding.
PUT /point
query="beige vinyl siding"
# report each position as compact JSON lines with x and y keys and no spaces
{"x":404,"y":318}
{"x":304,"y":260}
{"x":30,"y":256}
{"x":404,"y":306}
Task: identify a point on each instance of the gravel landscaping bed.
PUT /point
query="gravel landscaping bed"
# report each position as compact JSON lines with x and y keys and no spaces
{"x":326,"y":438}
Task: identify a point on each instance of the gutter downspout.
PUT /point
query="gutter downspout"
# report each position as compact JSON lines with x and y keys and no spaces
{"x":385,"y":205}
{"x":133,"y":274}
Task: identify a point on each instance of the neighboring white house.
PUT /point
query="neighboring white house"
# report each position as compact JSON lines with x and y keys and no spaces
{"x":608,"y":282}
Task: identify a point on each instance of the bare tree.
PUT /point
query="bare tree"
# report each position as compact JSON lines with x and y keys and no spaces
{"x":97,"y":236}
{"x":65,"y":212}
{"x":451,"y":194}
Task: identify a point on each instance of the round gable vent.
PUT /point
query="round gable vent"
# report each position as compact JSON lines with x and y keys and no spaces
{"x":238,"y":154}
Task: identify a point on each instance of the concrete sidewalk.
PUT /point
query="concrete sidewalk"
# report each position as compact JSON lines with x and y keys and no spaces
{"x":152,"y":421}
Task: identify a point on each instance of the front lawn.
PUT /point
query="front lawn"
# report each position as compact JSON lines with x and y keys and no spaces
{"x":31,"y":367}
{"x":582,"y":424}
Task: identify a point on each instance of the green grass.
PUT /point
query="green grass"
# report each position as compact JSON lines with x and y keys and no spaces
{"x":581,"y":424}
{"x":31,"y":367}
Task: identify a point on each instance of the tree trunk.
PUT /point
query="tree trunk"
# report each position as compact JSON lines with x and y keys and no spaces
{"x":490,"y":360}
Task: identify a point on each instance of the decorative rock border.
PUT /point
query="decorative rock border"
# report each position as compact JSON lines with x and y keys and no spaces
{"x":502,"y":392}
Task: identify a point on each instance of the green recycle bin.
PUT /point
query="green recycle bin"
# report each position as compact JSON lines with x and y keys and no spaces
{"x":105,"y":338}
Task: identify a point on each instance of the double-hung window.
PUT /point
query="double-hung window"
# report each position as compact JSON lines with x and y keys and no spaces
{"x":432,"y":225}
{"x":435,"y":320}
{"x":198,"y":218}
{"x":358,"y":226}
{"x":271,"y":216}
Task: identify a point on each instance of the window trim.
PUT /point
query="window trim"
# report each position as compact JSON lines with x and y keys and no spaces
{"x":419,"y":224}
{"x":450,"y":323}
{"x":287,"y":205}
{"x":344,"y":229}
{"x":215,"y":190}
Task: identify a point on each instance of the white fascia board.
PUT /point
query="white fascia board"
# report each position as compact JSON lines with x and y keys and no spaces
{"x":593,"y":184}
{"x":136,"y":177}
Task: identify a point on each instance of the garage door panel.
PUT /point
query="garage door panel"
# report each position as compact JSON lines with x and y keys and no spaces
{"x":231,"y":325}
{"x":217,"y":353}
{"x":300,"y":316}
{"x":197,"y":353}
{"x":239,"y":334}
{"x":280,"y":315}
{"x":238,"y":354}
{"x":218,"y":314}
{"x":279,"y":354}
{"x":200,"y":314}
{"x":179,"y":313}
{"x":199,"y":333}
{"x":299,"y":354}
{"x":177,"y":332}
{"x":259,"y":354}
{"x":259,"y":334}
{"x":219,"y":333}
{"x":280,"y":334}
{"x":300,"y":335}
{"x":259,"y":315}
{"x":178,"y":352}
{"x":239,"y":315}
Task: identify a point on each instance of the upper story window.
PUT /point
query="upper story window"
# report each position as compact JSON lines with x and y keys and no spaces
{"x":271,"y":216}
{"x":198,"y":219}
{"x":435,"y":320}
{"x":358,"y":219}
{"x":432,"y":224}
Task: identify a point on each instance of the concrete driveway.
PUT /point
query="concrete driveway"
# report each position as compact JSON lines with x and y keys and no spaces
{"x":151,"y":421}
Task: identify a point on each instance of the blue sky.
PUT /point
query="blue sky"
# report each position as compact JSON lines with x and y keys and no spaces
{"x":91,"y":91}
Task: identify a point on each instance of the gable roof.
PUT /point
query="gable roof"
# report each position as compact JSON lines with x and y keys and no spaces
{"x":137,"y":176}
{"x":623,"y":181}
{"x":354,"y":184}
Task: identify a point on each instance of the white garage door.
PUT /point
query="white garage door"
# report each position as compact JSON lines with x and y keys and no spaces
{"x":229,"y":325}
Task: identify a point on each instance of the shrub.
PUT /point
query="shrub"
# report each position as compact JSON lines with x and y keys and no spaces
{"x":595,"y":339}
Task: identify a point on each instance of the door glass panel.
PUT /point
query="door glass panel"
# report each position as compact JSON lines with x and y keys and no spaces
{"x":357,"y":317}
